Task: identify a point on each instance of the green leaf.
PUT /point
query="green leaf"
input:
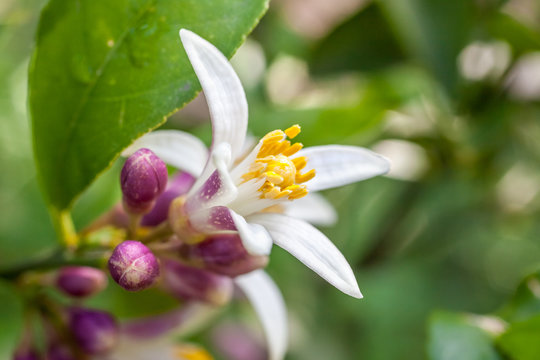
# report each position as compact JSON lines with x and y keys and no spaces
{"x":105,"y":72}
{"x":365,"y":42}
{"x":456,"y":336}
{"x":434,"y":32}
{"x":520,"y":341}
{"x":525,"y":302}
{"x":11,"y":313}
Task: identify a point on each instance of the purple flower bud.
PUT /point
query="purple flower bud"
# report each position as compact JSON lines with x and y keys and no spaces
{"x":224,"y":254}
{"x":60,"y":352}
{"x":81,"y":281}
{"x":189,"y":283}
{"x":133,"y":266}
{"x":180,"y":185}
{"x":95,"y":332}
{"x":143,"y":178}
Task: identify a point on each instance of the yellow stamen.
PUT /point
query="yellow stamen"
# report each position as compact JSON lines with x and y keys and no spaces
{"x":280,"y":172}
{"x":300,"y":162}
{"x":293,"y":149}
{"x":293,"y":131}
{"x":273,"y":177}
{"x":301,"y":178}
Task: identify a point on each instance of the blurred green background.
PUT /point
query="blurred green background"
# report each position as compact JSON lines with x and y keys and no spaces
{"x":448,"y":90}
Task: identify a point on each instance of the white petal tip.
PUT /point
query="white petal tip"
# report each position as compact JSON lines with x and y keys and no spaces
{"x":184,"y":33}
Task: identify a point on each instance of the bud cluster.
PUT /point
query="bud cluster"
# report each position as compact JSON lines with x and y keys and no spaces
{"x":194,"y":266}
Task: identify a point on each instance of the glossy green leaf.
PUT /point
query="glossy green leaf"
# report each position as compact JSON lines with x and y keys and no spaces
{"x":455,"y":336}
{"x":520,"y":341}
{"x":106,"y":72}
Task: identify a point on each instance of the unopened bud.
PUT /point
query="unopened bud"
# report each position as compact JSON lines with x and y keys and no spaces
{"x":189,"y":283}
{"x":95,"y":332}
{"x":178,"y":186}
{"x":224,"y":254}
{"x":81,"y":281}
{"x":133,"y":266}
{"x":143,"y":178}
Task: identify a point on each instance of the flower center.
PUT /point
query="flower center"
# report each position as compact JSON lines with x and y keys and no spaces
{"x":281,"y":172}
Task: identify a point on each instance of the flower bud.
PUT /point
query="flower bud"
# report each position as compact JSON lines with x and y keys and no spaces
{"x":81,"y":281}
{"x":133,"y":266}
{"x":95,"y":332}
{"x":60,"y":352}
{"x":189,"y":283}
{"x":143,"y":178}
{"x":180,"y":185}
{"x":224,"y":254}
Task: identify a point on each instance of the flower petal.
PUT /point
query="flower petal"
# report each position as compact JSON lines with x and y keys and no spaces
{"x":222,"y":89}
{"x":268,"y":302}
{"x":311,"y":247}
{"x":313,"y":208}
{"x":255,"y":238}
{"x":176,"y":148}
{"x":217,"y":219}
{"x":218,"y":189}
{"x":338,"y":165}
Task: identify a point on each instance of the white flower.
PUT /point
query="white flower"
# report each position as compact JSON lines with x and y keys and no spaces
{"x":235,"y":191}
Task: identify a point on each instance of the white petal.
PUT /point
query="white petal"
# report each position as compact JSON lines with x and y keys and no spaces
{"x":313,"y":208}
{"x":176,"y":148}
{"x":311,"y":247}
{"x":338,"y":165}
{"x":254,"y":237}
{"x":222,"y":89}
{"x":268,"y":302}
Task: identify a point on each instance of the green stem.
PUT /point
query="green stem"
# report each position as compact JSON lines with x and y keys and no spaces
{"x":64,"y":228}
{"x":58,"y":259}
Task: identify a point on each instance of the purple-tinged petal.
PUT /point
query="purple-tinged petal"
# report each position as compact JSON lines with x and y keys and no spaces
{"x":178,"y":320}
{"x":223,"y":254}
{"x":238,"y":342}
{"x":179,"y":185}
{"x":216,"y":219}
{"x":218,"y":189}
{"x":189,"y":283}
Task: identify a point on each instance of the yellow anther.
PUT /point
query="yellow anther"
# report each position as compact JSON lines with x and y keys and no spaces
{"x":283,"y":193}
{"x":273,"y":136}
{"x":280,"y":173}
{"x":272,"y":194}
{"x":301,"y":178}
{"x":273,"y":177}
{"x":293,"y":131}
{"x":293,"y":149}
{"x":299,"y":162}
{"x":299,"y":194}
